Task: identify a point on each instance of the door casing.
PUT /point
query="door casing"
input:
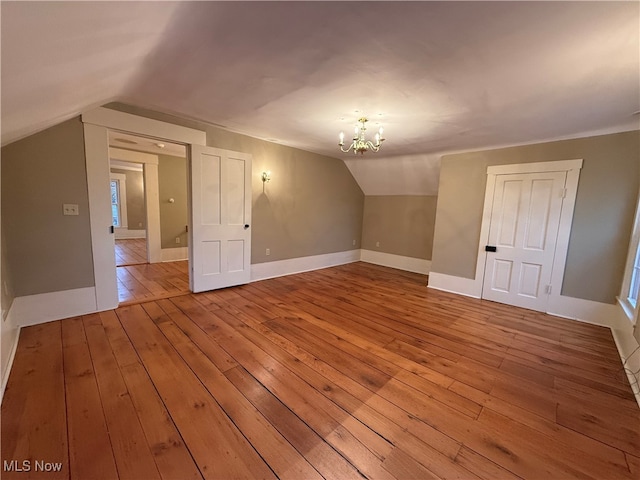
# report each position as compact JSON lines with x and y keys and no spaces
{"x":97,"y":124}
{"x":572,"y":169}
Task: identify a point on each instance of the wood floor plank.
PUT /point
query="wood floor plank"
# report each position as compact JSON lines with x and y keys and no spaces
{"x":482,"y":466}
{"x":90,"y":451}
{"x":351,"y":372}
{"x":404,"y":431}
{"x":326,"y":460}
{"x":324,"y":417}
{"x":170,"y":453}
{"x":32,"y":430}
{"x":130,"y":251}
{"x":133,"y":456}
{"x":223,"y":452}
{"x":283,"y":459}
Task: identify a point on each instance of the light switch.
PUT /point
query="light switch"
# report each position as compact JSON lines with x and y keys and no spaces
{"x":70,"y":209}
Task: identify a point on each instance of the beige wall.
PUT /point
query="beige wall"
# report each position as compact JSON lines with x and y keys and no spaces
{"x":402,"y":224}
{"x":312,"y":205}
{"x":136,"y":215}
{"x":46,"y":251}
{"x":605,"y":203}
{"x":172,"y":183}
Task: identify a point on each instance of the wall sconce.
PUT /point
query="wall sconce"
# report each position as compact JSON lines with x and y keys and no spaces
{"x":266,"y":176}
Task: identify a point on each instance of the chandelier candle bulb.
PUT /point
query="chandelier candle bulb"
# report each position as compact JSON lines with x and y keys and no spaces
{"x":341,"y":138}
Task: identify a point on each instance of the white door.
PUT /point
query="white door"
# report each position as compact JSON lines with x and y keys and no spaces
{"x":220,"y":254}
{"x":525,"y":217}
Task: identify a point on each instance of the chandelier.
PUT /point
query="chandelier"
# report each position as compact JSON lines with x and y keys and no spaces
{"x":360,"y":144}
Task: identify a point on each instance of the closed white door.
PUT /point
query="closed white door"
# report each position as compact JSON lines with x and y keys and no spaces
{"x":220,"y":254}
{"x":522,"y":238}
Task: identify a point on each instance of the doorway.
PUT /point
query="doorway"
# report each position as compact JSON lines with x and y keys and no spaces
{"x":128,"y":208}
{"x":97,"y":124}
{"x":148,"y":193}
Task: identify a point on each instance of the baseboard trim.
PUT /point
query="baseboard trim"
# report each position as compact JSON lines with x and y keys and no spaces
{"x":124,"y":233}
{"x":449,"y":283}
{"x":586,"y":311}
{"x":280,"y":268}
{"x":12,"y":355}
{"x":628,"y":350}
{"x":174,"y":254}
{"x":409,"y":264}
{"x":46,"y":307}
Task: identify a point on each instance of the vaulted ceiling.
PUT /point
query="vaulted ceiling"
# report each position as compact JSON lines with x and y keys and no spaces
{"x":439,"y":76}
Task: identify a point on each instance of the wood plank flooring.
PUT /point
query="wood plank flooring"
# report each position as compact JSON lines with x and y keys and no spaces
{"x":131,"y":251}
{"x":357,"y":371}
{"x":152,"y":281}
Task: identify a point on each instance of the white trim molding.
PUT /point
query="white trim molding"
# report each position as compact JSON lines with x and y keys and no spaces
{"x":14,"y":332}
{"x":46,"y":307}
{"x":126,"y":233}
{"x":175,"y":254}
{"x":409,"y":264}
{"x":628,"y":349}
{"x":452,"y":284}
{"x":105,"y":117}
{"x":280,"y":268}
{"x":586,"y":311}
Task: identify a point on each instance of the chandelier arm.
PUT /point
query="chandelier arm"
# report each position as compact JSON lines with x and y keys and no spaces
{"x":347,"y":150}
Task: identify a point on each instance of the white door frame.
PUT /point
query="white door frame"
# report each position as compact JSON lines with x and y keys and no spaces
{"x":97,"y":124}
{"x":151,"y":197}
{"x":572,"y":168}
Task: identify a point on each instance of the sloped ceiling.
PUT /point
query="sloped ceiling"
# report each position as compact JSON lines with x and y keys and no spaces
{"x":439,"y":76}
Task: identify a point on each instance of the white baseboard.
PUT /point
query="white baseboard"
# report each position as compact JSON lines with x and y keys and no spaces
{"x":6,"y":370}
{"x":586,"y":311}
{"x":629,"y":351}
{"x":449,"y":283}
{"x":409,"y":264}
{"x":263,"y":271}
{"x":46,"y":307}
{"x":174,"y":254}
{"x":126,"y":233}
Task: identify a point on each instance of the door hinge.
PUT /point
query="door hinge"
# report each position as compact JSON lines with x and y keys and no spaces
{"x":563,"y":193}
{"x":547,"y":289}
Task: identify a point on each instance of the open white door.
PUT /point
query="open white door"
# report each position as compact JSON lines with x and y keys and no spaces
{"x":220,"y":254}
{"x":522,"y":238}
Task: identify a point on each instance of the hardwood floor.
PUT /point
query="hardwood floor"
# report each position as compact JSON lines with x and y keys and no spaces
{"x":131,"y":251}
{"x":349,"y":372}
{"x":152,"y":281}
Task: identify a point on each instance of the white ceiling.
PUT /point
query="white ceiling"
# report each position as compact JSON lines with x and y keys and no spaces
{"x":439,"y":76}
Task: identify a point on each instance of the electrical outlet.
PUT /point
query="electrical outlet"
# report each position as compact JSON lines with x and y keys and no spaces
{"x":70,"y":209}
{"x":177,"y":239}
{"x":354,"y":243}
{"x":377,"y":244}
{"x":268,"y":251}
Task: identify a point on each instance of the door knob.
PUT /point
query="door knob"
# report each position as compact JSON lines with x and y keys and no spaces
{"x":246,"y":225}
{"x":490,"y":248}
